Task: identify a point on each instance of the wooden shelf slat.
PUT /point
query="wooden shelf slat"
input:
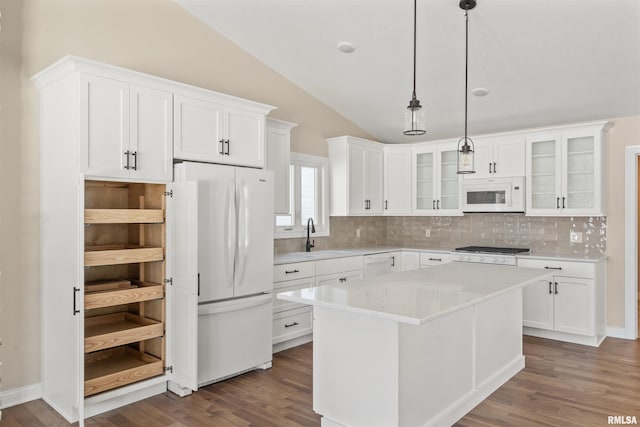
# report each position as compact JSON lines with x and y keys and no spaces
{"x":106,"y":285}
{"x":120,"y":254}
{"x":109,"y":369}
{"x":145,"y":292}
{"x":123,"y":216}
{"x":113,"y":330}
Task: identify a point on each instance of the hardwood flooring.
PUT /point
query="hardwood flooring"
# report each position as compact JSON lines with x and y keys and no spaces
{"x":561,"y":385}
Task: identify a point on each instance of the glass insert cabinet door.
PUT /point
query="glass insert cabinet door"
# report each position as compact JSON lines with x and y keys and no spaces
{"x":449,"y":180}
{"x":580,"y":173}
{"x":545,"y":174}
{"x":425,"y":171}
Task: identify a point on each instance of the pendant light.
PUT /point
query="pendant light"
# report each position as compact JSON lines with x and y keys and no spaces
{"x":465,"y":144}
{"x":414,"y":115}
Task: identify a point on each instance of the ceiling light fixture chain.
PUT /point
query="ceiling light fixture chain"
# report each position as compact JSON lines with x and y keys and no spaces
{"x":414,"y":115}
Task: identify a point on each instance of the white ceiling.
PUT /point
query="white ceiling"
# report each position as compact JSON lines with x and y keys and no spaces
{"x":544,"y":62}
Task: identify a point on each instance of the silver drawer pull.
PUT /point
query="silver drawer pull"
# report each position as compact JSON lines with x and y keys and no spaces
{"x":435,"y":259}
{"x":552,"y":268}
{"x":291,"y":271}
{"x":291,"y":324}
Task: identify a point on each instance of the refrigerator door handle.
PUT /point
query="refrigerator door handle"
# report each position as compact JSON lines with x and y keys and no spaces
{"x":231,"y":234}
{"x":243,"y":228}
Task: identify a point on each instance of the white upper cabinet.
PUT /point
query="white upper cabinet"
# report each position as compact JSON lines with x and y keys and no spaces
{"x":126,"y":130}
{"x":211,"y":129}
{"x":565,"y":171}
{"x":436,"y":189}
{"x":278,"y":160}
{"x":397,"y":180}
{"x":356,"y":176}
{"x":198,"y":131}
{"x":499,"y":156}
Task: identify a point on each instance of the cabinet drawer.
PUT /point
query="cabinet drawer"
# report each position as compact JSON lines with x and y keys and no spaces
{"x":296,"y":270}
{"x":433,"y":258}
{"x":341,"y":278}
{"x":561,"y":268}
{"x":292,"y":324}
{"x":290,"y":285}
{"x":329,"y":266}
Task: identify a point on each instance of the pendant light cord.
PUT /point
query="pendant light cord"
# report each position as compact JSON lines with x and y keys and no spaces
{"x":415,"y":9}
{"x":466,"y":70}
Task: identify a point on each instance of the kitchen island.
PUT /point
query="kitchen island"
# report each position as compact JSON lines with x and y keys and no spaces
{"x":418,"y":348}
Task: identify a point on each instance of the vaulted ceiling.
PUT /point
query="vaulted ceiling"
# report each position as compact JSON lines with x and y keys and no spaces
{"x":544,"y":62}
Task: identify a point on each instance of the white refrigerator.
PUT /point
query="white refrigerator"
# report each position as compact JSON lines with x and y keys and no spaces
{"x":230,"y":214}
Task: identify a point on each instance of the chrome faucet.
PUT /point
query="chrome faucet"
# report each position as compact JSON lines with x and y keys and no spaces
{"x":313,"y":230}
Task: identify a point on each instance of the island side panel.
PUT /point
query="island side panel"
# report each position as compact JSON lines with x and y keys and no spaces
{"x":436,"y":366}
{"x":355,"y":368}
{"x":499,"y":336}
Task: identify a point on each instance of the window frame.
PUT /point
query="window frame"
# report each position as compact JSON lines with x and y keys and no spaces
{"x":299,"y":228}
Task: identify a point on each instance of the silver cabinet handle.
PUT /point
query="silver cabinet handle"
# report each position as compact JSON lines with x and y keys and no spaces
{"x":227,"y":142}
{"x":126,"y":153}
{"x":291,"y":271}
{"x":557,"y":202}
{"x":393,"y":261}
{"x":555,"y":289}
{"x":552,"y":268}
{"x":386,"y":205}
{"x":550,"y":292}
{"x":221,"y":141}
{"x":434,"y":204}
{"x":435,"y":259}
{"x":438,"y":204}
{"x":494,"y":167}
{"x":135,"y":160}
{"x":489,"y":167}
{"x":563,"y":200}
{"x":288,"y":325}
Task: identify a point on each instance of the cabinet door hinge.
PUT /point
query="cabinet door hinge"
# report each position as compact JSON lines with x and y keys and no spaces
{"x":169,"y":193}
{"x":169,"y":369}
{"x":169,"y":281}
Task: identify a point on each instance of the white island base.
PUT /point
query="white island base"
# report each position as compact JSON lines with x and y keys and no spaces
{"x":415,"y":348}
{"x":381,"y":372}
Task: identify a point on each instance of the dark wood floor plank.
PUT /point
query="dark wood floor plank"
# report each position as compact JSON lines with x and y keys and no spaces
{"x":562,"y":385}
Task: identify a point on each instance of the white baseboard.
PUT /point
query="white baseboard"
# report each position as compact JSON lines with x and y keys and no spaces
{"x":19,"y":395}
{"x":617,"y":332}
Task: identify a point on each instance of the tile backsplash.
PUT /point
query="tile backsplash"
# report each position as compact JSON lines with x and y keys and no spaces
{"x":543,"y":235}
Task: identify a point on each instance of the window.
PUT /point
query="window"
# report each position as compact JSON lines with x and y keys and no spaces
{"x":309,"y":186}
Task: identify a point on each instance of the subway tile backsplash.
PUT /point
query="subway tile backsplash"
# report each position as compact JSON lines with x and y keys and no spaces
{"x":543,"y":235}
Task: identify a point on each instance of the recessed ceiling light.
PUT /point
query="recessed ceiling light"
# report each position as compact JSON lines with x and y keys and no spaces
{"x":480,"y":91}
{"x":346,"y":47}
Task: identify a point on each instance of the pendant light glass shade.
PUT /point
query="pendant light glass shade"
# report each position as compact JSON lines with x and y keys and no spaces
{"x":466,"y":156}
{"x":414,"y":118}
{"x":465,"y":144}
{"x":414,"y":115}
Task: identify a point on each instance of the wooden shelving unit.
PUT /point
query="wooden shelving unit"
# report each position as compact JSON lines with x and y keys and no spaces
{"x":124,"y":304}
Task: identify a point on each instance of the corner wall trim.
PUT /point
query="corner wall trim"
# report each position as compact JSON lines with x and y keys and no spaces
{"x":19,"y":395}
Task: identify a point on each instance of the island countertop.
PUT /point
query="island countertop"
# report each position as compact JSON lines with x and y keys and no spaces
{"x":417,"y":297}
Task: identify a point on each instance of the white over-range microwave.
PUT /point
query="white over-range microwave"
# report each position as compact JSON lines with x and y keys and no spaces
{"x":493,"y":194}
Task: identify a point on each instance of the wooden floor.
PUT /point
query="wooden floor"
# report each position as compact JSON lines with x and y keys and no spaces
{"x":561,"y":385}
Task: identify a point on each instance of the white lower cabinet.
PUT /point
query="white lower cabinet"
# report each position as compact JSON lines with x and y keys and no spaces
{"x":292,"y":324}
{"x":569,"y":306}
{"x":409,"y":260}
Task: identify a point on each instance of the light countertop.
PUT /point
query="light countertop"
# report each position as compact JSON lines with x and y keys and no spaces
{"x":292,"y":257}
{"x":416,"y":297}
